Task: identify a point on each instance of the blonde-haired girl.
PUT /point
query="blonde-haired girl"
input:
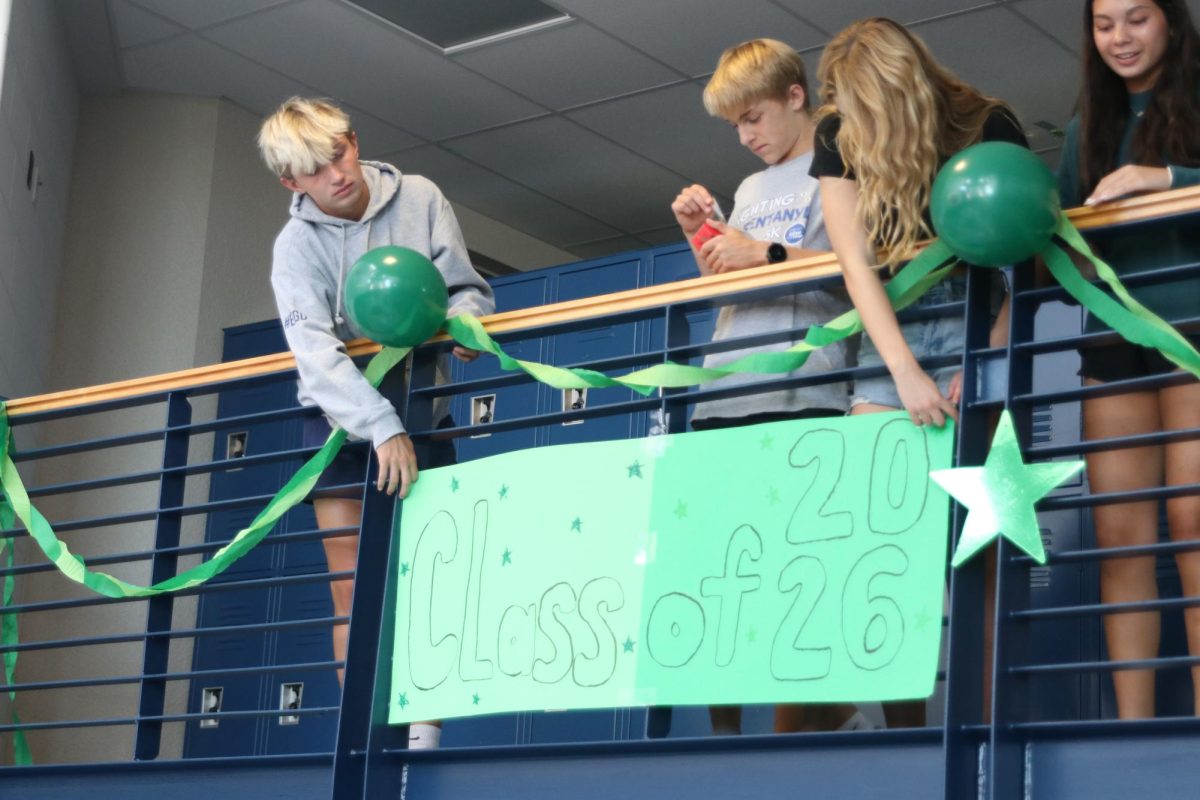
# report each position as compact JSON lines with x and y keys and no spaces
{"x":891,"y":116}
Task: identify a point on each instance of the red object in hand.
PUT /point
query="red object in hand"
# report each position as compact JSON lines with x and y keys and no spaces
{"x":705,"y":233}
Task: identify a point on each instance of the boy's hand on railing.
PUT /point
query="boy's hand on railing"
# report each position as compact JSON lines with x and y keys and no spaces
{"x":397,"y":465}
{"x":692,"y":207}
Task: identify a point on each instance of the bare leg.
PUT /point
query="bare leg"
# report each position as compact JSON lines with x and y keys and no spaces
{"x":341,"y":554}
{"x":796,"y":718}
{"x":1122,"y":580}
{"x":726,"y":720}
{"x":1180,"y":407}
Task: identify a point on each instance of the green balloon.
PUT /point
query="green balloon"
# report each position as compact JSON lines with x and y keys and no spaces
{"x":995,"y":204}
{"x":396,"y":296}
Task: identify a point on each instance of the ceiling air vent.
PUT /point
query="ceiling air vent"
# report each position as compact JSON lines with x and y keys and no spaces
{"x":456,"y":25}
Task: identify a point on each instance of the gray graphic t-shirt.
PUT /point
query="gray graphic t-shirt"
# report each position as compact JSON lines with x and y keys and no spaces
{"x":780,"y":204}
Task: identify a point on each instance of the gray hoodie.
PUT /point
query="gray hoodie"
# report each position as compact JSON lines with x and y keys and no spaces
{"x":313,"y":253}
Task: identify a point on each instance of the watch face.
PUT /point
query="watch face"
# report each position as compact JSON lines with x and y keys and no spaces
{"x":776,"y":253}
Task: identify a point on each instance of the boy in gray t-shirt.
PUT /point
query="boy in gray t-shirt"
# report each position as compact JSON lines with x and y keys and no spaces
{"x":761,"y":88}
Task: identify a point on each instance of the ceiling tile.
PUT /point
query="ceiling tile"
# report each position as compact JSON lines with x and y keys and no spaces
{"x":345,"y":54}
{"x":1018,"y":65}
{"x":192,"y":14}
{"x":135,"y":26}
{"x":606,"y":247}
{"x":832,"y":17}
{"x":189,"y":65}
{"x":497,"y":197}
{"x":1065,"y":25}
{"x":691,"y":34}
{"x":376,"y":136}
{"x":588,"y":65}
{"x":671,"y":127}
{"x":661,"y":236}
{"x":578,"y":168}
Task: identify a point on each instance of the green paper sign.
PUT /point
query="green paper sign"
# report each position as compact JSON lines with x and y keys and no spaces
{"x":793,"y":562}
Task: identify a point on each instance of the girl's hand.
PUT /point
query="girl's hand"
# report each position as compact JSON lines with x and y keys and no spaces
{"x":1129,"y":179}
{"x":921,"y":398}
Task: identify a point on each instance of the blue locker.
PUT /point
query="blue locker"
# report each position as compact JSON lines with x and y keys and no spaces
{"x":509,"y":402}
{"x":591,"y":344}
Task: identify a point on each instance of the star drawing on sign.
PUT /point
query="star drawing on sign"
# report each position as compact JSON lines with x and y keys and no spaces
{"x":403,"y":699}
{"x":1000,"y":496}
{"x":453,"y":484}
{"x":503,"y":491}
{"x":475,"y":699}
{"x":635,"y":470}
{"x":773,"y":496}
{"x":766,"y":441}
{"x":506,"y":557}
{"x":628,"y":644}
{"x":923,"y":619}
{"x":681,"y":509}
{"x":403,"y":568}
{"x":577,"y":525}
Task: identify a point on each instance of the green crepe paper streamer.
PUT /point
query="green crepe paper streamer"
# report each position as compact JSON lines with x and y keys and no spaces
{"x":292,"y":493}
{"x":9,"y":635}
{"x":929,"y":267}
{"x":1128,"y":317}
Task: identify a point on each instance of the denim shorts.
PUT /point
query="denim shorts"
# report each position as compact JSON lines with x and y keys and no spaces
{"x":926,"y":338}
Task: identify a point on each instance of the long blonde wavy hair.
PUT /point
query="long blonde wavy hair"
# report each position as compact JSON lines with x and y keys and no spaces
{"x":902,"y":115}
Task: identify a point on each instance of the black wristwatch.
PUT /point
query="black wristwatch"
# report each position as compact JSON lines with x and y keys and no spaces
{"x":776,"y":253}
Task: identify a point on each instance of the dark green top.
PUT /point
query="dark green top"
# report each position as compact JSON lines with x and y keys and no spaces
{"x":1142,"y":247}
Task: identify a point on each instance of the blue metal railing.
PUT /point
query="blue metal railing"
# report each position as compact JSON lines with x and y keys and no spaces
{"x":999,"y":735}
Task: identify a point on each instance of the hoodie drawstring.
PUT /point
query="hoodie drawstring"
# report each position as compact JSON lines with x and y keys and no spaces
{"x":337,"y":307}
{"x":341,"y":284}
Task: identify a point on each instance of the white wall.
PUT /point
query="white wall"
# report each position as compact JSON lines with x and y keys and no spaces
{"x":38,"y":109}
{"x":171,"y":221}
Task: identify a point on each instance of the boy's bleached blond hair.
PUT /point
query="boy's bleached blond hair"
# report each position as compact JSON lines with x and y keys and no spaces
{"x":760,"y":69}
{"x":299,"y":137}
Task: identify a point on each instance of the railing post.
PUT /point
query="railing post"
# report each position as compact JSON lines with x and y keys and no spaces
{"x":1010,"y":692}
{"x":148,"y":736}
{"x":361,"y":769}
{"x":964,"y":636}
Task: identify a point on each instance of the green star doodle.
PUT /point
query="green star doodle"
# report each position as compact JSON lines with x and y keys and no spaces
{"x":475,"y":699}
{"x":635,"y":469}
{"x":506,"y":557}
{"x":628,"y":644}
{"x":577,"y":525}
{"x":766,"y":442}
{"x":403,"y":568}
{"x":751,"y":635}
{"x":503,"y":491}
{"x":681,"y":509}
{"x":773,"y":496}
{"x":923,"y":619}
{"x":1000,"y":495}
{"x":403,"y":699}
{"x":453,"y":484}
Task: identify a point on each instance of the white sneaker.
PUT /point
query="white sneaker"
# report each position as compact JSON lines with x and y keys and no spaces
{"x":423,"y":736}
{"x":857,"y":722}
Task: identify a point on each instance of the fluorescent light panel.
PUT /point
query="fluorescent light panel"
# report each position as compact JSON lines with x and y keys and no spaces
{"x":457,"y":25}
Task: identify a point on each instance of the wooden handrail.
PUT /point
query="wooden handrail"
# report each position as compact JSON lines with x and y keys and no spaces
{"x":1135,"y":209}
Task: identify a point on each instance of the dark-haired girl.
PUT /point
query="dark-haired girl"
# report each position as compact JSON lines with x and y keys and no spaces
{"x":1138,"y":130}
